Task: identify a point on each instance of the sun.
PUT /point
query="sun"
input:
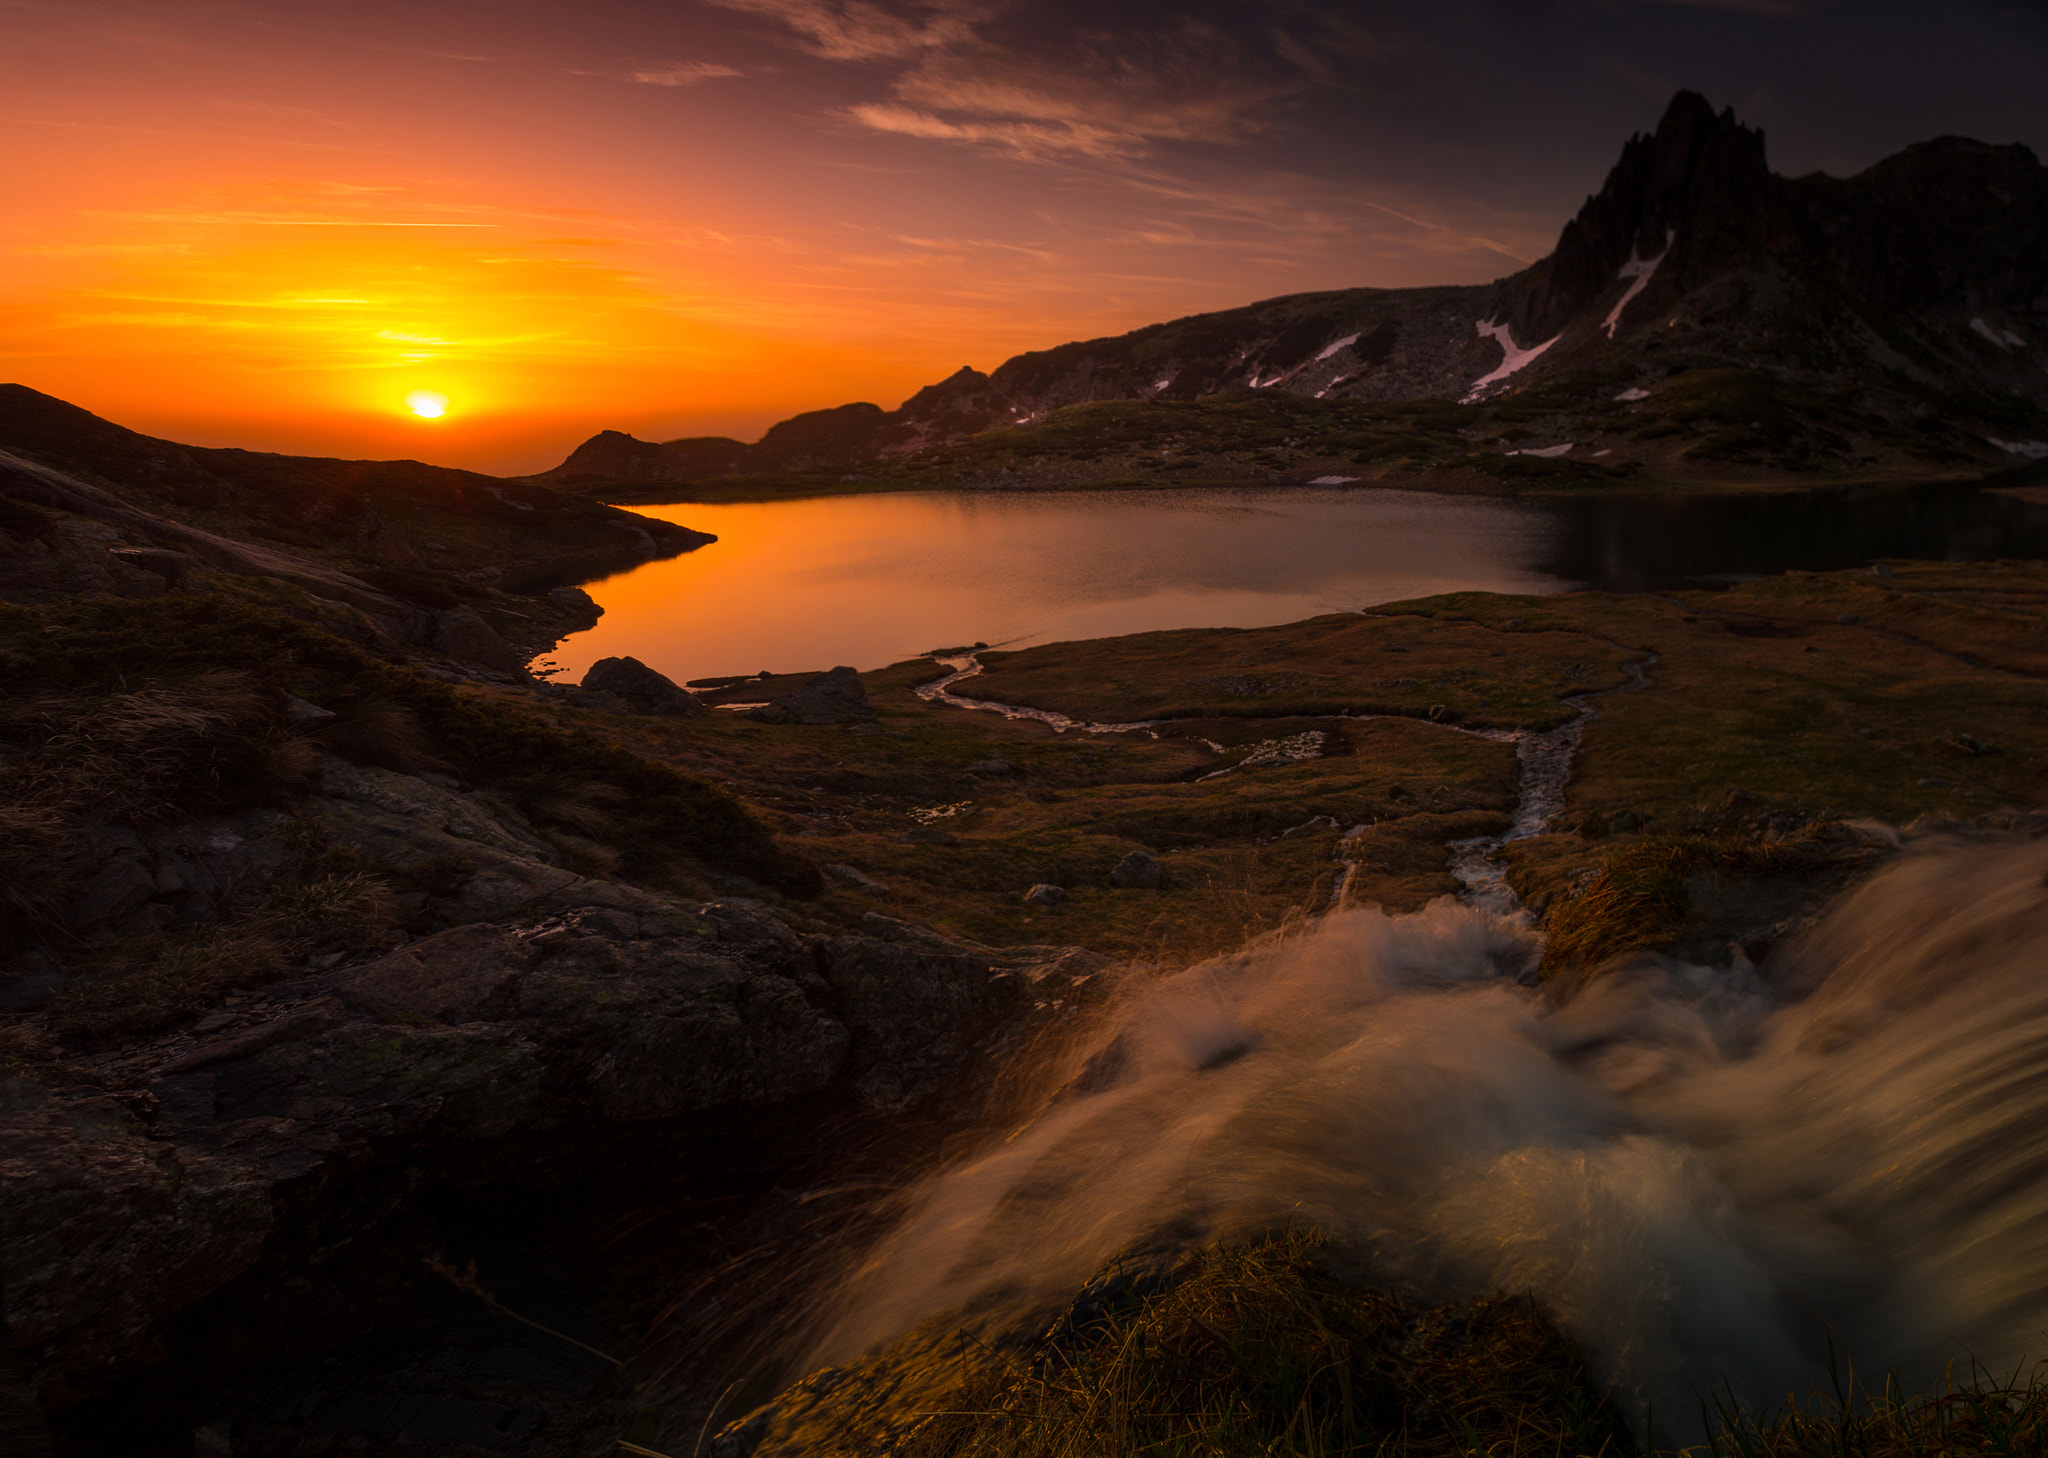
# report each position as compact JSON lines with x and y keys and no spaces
{"x":427,"y":404}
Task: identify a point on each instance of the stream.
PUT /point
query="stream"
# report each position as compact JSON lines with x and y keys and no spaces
{"x":1545,"y":757}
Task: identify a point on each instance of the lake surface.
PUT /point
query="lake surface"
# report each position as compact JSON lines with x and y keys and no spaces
{"x":872,"y":580}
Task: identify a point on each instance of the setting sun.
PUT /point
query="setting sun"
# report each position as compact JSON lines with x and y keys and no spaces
{"x":427,"y":404}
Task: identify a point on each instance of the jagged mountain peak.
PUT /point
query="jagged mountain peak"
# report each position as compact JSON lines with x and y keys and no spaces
{"x":1697,"y":195}
{"x":1911,"y":287}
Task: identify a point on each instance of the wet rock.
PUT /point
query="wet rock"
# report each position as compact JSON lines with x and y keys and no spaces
{"x":837,"y":697}
{"x":647,"y":691}
{"x":1138,"y":871}
{"x":1045,"y":894}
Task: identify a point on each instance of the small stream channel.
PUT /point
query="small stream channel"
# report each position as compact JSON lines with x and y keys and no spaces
{"x":1545,"y":757}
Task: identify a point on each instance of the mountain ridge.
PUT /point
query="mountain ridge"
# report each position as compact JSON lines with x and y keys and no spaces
{"x":1915,"y":290}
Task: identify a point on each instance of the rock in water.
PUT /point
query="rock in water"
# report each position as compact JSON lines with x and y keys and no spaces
{"x":641,"y":686}
{"x":1138,"y":872}
{"x":838,"y":697}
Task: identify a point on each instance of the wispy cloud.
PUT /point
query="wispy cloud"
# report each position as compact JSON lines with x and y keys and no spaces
{"x":1036,"y":140}
{"x":860,"y":30}
{"x":968,"y":73}
{"x":689,"y":73}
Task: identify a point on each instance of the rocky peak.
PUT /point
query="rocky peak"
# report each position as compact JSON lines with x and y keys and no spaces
{"x":1699,"y":186}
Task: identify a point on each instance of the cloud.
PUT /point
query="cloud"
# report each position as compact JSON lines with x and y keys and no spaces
{"x":860,"y":30}
{"x":1032,"y":140}
{"x":969,"y":73}
{"x":689,"y":73}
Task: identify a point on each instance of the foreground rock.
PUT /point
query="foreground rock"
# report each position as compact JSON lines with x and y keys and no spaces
{"x":640,"y":686}
{"x":837,"y":697}
{"x":549,"y":1002}
{"x":607,"y":1006}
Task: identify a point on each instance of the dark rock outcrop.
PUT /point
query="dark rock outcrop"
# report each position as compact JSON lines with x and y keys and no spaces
{"x":836,"y":697}
{"x":1138,"y":871}
{"x":640,"y":686}
{"x":545,"y":1001}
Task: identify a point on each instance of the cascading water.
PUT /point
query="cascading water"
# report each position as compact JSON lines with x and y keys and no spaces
{"x":1706,"y":1174}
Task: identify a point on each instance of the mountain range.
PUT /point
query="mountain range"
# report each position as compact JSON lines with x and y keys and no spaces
{"x":1700,"y":317}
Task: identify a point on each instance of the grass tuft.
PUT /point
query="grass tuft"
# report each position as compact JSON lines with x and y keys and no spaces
{"x":1262,"y":1350}
{"x":1641,"y":898}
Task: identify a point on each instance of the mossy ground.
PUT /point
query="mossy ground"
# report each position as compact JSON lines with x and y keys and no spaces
{"x":1931,"y":702}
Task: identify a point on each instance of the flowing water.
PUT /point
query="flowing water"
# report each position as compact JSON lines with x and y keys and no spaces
{"x":1714,"y":1177}
{"x":1705,"y":1173}
{"x":1708,"y":1174}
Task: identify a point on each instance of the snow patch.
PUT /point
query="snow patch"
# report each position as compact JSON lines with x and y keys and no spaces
{"x":1515,"y":357}
{"x":2031,"y":450}
{"x":2003,"y":338}
{"x":1633,"y":394}
{"x":1549,"y":453}
{"x":1162,"y":384}
{"x":1641,"y":270}
{"x":1333,"y":481}
{"x":1345,"y":343}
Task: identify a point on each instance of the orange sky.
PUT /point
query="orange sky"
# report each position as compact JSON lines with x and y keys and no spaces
{"x":262,"y":223}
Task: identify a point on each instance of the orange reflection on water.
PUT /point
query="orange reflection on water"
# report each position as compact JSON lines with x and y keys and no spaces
{"x":871,"y":580}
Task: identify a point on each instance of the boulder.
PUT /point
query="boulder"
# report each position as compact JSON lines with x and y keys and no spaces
{"x":460,"y":633}
{"x":576,"y":598}
{"x":1138,"y":872}
{"x":1045,"y":894}
{"x":641,"y":686}
{"x":837,"y":697}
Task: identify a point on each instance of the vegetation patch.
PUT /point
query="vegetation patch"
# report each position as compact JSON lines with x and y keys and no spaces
{"x":164,"y":652}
